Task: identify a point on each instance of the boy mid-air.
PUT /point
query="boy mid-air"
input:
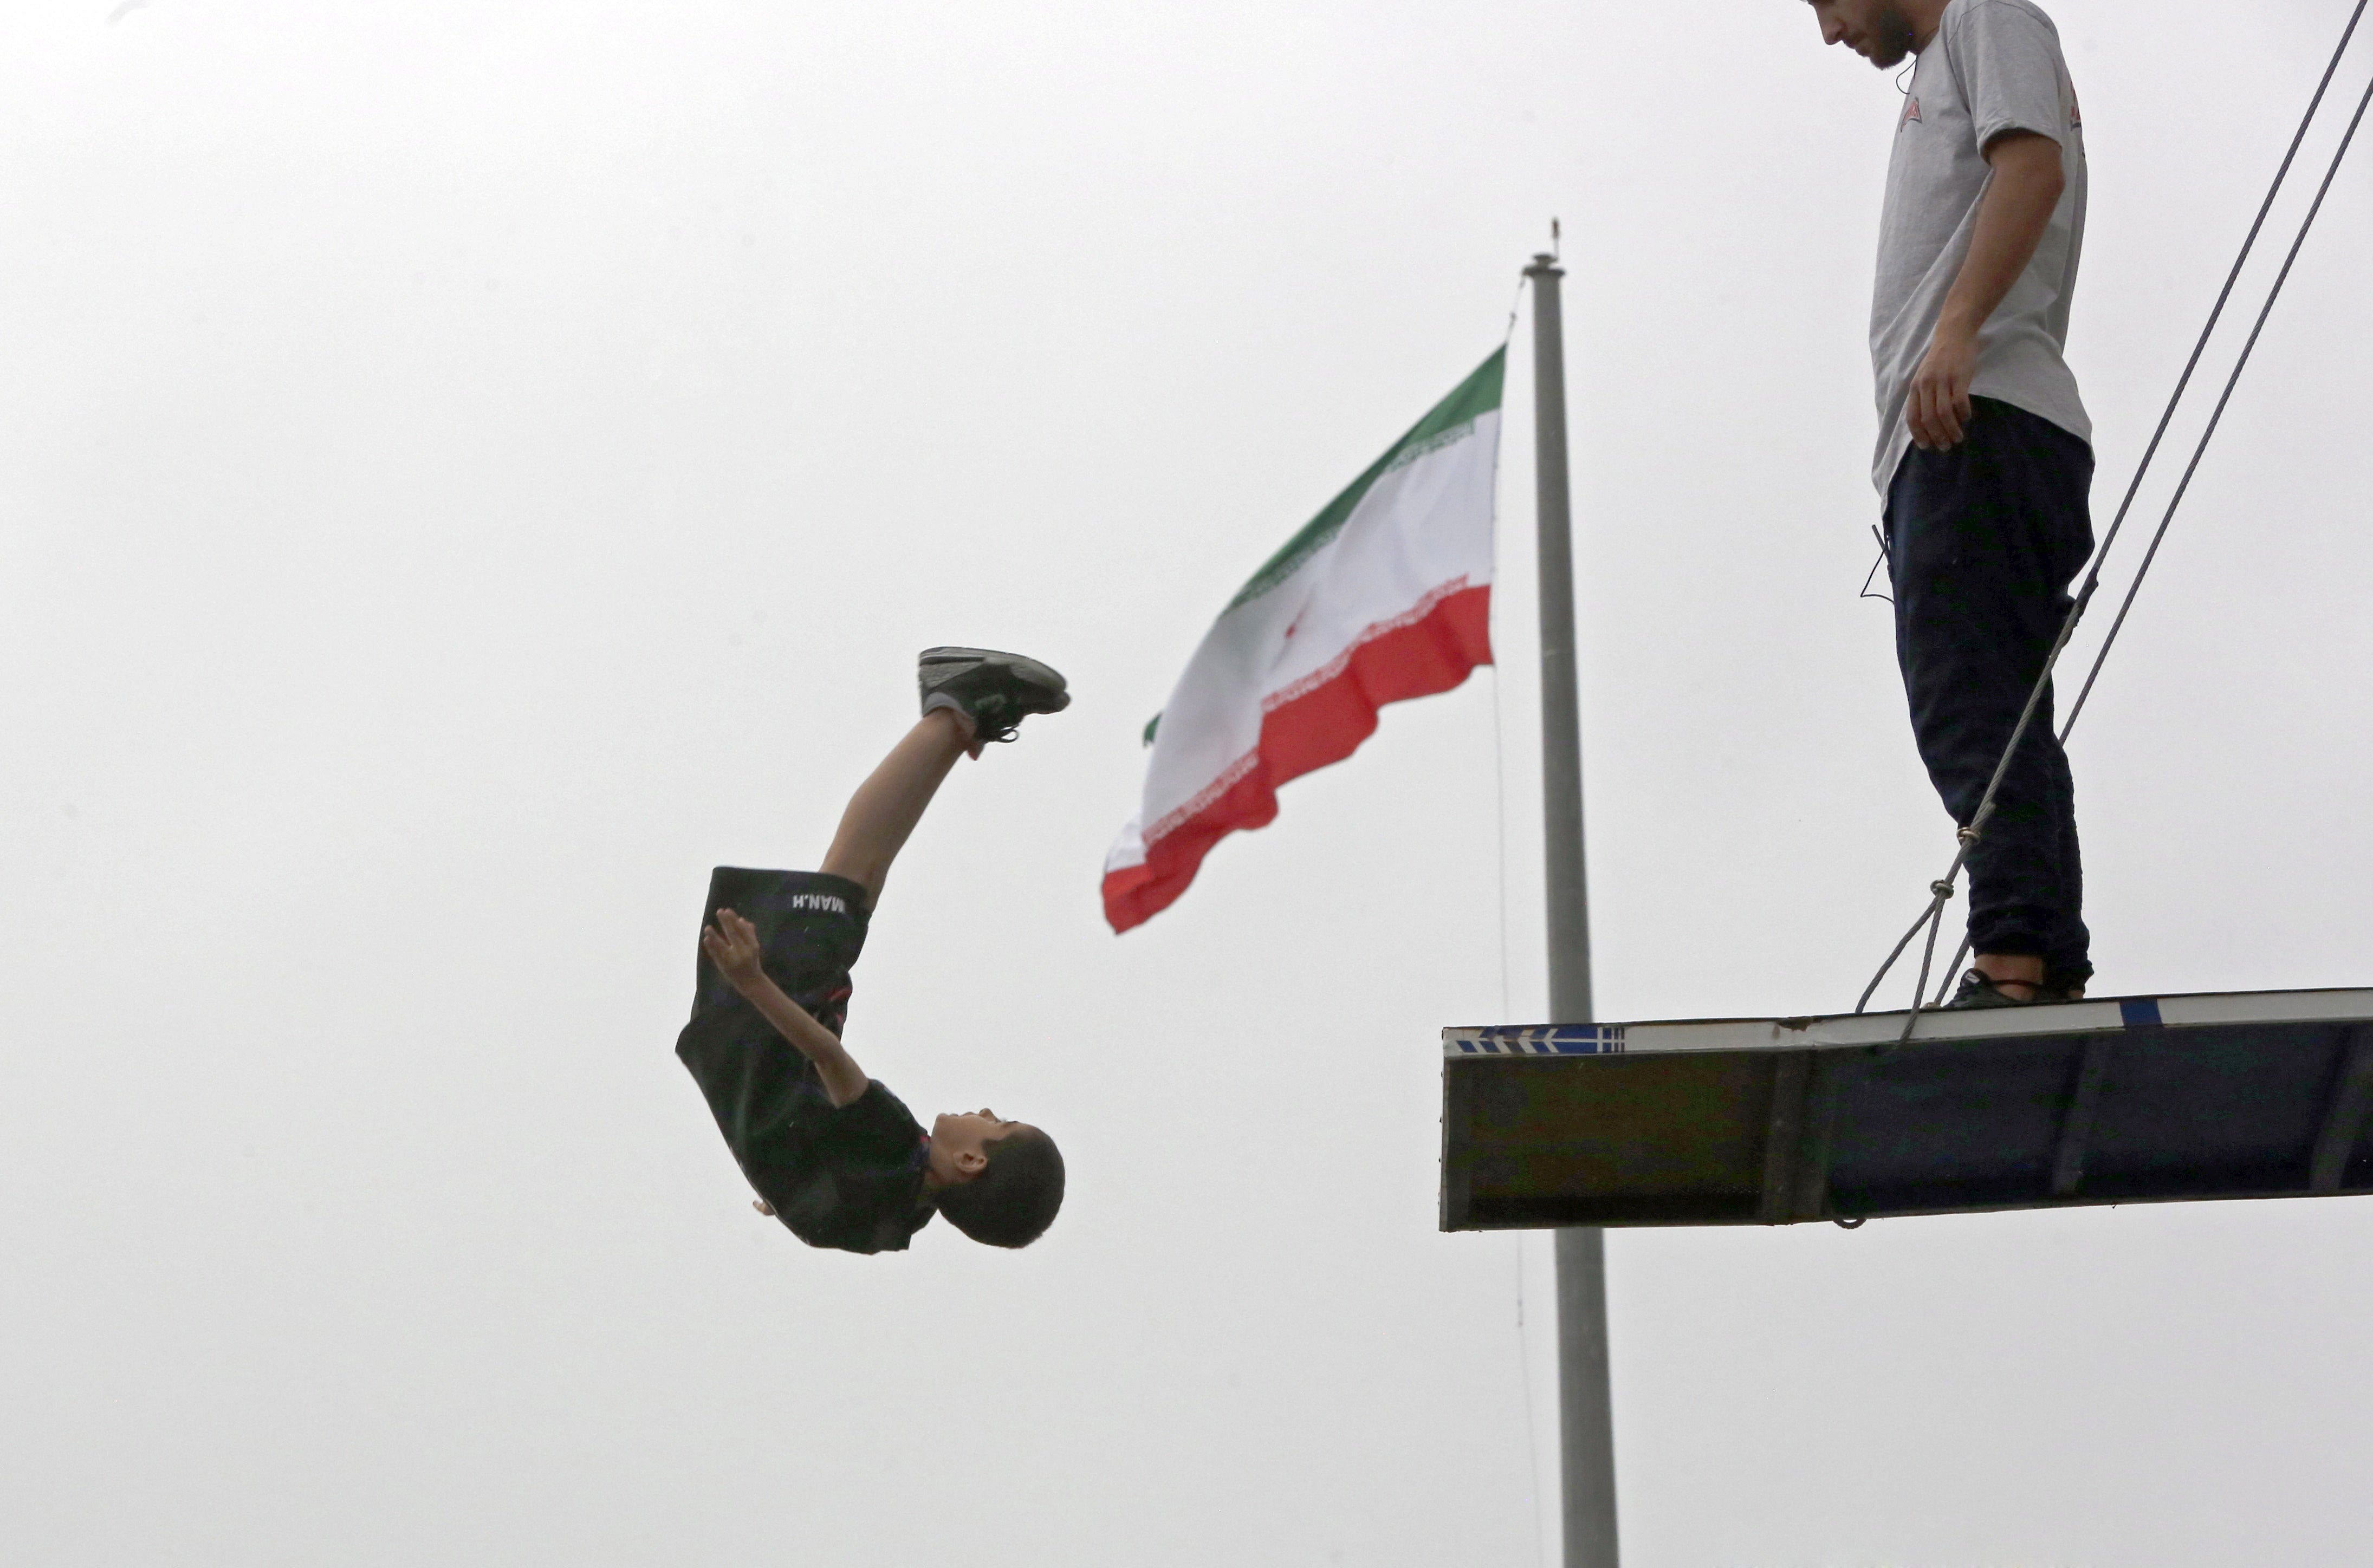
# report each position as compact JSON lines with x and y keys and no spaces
{"x":834,"y":1155}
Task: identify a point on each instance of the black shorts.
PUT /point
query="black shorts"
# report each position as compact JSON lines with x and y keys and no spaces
{"x":765,"y":1094}
{"x":810,"y":929}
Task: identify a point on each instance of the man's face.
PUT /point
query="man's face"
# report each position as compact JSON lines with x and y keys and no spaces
{"x":1875,"y":30}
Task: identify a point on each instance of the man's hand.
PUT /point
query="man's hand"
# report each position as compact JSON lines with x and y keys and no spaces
{"x":732,"y":946}
{"x":1939,"y":409}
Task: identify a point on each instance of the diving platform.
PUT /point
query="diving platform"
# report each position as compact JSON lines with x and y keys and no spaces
{"x":1785,"y":1121}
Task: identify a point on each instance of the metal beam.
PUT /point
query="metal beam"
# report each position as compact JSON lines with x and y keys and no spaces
{"x":2343,"y":1122}
{"x":1821,"y":1098}
{"x":1784,"y":1138}
{"x":2068,"y":1160}
{"x":1458,"y":1155}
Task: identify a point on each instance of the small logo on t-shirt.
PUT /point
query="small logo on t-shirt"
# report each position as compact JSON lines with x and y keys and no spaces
{"x":2076,"y":114}
{"x":831,"y":903}
{"x":1910,"y":113}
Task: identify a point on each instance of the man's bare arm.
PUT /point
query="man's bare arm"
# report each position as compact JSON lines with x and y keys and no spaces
{"x":732,"y":946}
{"x":2017,"y":208}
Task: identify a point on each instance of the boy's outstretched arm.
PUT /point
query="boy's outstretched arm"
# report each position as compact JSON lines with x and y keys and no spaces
{"x":732,"y":944}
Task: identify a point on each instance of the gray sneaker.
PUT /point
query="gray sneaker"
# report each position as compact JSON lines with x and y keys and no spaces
{"x":994,"y":691}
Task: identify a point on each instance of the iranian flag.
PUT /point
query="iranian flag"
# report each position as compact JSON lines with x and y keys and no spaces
{"x":1385,"y":595}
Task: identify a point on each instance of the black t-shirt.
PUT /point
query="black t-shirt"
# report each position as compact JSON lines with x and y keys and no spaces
{"x":850,"y":1177}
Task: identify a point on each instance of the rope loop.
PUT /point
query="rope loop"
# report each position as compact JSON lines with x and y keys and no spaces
{"x":1942,"y":889}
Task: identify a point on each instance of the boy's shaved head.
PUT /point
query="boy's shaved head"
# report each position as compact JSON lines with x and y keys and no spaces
{"x":1015,"y":1195}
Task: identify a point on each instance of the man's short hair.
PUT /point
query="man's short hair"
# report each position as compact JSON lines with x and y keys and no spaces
{"x":1014,"y":1198}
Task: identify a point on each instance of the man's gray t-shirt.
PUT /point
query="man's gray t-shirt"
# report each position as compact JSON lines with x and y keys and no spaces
{"x":1994,"y":66}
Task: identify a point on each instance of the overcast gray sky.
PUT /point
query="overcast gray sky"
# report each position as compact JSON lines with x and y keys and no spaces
{"x":468,"y":469}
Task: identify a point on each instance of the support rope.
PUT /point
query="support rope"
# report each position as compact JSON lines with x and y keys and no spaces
{"x":1942,"y":891}
{"x":2217,"y":418}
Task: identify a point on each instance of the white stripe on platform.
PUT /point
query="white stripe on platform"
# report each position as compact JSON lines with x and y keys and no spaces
{"x":2266,"y":1007}
{"x":1849,"y":1031}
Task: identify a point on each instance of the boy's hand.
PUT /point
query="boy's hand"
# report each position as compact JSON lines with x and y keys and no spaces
{"x":732,"y":946}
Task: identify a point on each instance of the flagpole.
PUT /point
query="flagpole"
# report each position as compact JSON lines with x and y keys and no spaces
{"x":1585,"y":1415}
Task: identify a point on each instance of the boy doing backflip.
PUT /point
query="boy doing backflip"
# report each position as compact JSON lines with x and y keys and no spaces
{"x":1984,"y":449}
{"x":834,"y":1155}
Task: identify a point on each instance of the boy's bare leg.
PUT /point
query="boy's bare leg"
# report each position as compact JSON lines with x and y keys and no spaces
{"x":886,"y":807}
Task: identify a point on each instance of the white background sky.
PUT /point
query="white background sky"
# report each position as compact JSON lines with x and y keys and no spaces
{"x":467,"y":468}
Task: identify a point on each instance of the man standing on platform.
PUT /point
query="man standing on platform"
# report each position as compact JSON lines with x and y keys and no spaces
{"x":1984,"y":451}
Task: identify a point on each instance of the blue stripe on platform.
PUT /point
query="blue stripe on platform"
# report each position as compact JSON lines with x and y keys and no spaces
{"x":2141,"y":1013}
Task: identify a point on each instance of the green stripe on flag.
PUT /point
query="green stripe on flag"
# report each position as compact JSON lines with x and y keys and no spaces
{"x":1475,"y":396}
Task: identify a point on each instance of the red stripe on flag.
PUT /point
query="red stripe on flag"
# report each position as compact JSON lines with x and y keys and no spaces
{"x":1322,"y":725}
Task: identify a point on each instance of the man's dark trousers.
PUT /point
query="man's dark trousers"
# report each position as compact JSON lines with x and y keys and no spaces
{"x":1983,"y":542}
